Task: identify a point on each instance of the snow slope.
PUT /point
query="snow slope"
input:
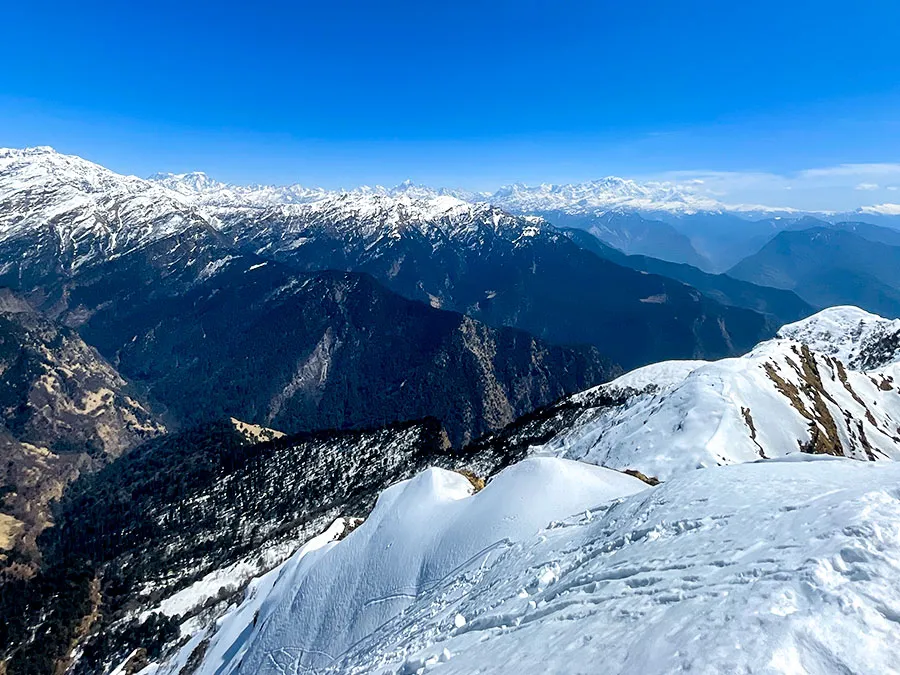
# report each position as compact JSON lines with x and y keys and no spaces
{"x":779,"y":399}
{"x":769,"y":567}
{"x":426,"y":530}
{"x":81,"y":212}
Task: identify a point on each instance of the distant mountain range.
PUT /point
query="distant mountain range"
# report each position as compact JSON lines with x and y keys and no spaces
{"x":92,"y":247}
{"x":262,"y":430}
{"x":832,"y":265}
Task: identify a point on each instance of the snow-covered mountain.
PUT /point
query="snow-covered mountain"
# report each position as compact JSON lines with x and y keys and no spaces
{"x":790,"y":394}
{"x":62,"y":212}
{"x":95,"y":214}
{"x":858,"y":338}
{"x":557,"y":561}
{"x":602,"y":195}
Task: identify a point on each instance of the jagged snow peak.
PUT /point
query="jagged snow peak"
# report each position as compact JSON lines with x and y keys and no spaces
{"x":775,"y":566}
{"x":204,"y":190}
{"x":858,"y":338}
{"x":94,"y":213}
{"x":193,"y":183}
{"x":81,"y":211}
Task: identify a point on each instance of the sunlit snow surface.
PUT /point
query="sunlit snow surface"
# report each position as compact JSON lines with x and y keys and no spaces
{"x":685,"y":415}
{"x":780,"y":566}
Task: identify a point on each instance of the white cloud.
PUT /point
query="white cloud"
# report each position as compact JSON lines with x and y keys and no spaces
{"x":835,"y":188}
{"x":845,"y":170}
{"x":883,"y":209}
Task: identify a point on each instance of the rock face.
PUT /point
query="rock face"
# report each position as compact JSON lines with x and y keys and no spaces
{"x":63,"y":410}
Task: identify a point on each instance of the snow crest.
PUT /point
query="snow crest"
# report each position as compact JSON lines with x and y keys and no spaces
{"x":764,"y":567}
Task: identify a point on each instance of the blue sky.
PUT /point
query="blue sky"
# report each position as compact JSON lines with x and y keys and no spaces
{"x":469,"y":94}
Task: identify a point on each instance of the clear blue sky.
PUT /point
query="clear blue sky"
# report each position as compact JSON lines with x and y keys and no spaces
{"x":463,"y":93}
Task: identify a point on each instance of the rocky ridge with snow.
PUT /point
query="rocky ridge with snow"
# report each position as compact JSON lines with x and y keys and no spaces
{"x":791,"y":394}
{"x":860,"y":339}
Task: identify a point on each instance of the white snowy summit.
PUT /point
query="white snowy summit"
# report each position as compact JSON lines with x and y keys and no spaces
{"x":75,"y":212}
{"x":603,"y":195}
{"x":858,"y":338}
{"x":771,"y":546}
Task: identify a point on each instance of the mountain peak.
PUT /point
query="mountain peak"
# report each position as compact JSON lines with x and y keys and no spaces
{"x":601,"y":195}
{"x":850,"y":334}
{"x":191,"y":183}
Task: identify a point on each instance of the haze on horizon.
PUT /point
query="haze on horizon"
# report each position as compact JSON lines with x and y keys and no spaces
{"x":783,"y":104}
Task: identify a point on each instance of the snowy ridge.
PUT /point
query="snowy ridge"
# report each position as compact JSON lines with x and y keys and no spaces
{"x":367,"y":222}
{"x":79,"y":211}
{"x":67,"y":209}
{"x":210,"y":192}
{"x":781,"y":567}
{"x":197,"y":189}
{"x":779,"y":399}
